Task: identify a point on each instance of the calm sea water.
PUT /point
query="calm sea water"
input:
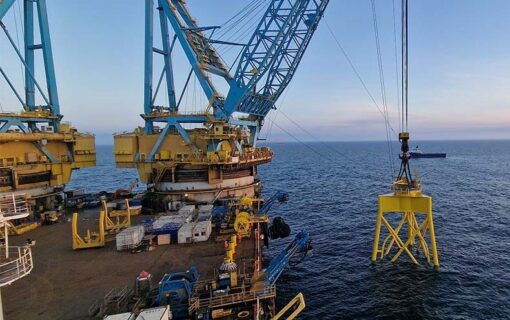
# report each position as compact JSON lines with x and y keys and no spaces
{"x":333,"y":195}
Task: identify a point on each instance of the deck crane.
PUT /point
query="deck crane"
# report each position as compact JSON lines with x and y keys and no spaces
{"x":218,"y":156}
{"x":300,"y":246}
{"x":406,"y":200}
{"x":37,"y":150}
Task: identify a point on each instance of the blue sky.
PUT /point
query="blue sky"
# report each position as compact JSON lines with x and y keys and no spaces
{"x":459,"y":68}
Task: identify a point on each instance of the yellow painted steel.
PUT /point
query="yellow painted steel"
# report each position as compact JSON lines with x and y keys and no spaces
{"x":21,"y":228}
{"x":231,"y":250}
{"x":297,"y":304}
{"x":416,"y":221}
{"x":122,"y":218}
{"x":43,"y":159}
{"x":244,"y":221}
{"x":92,"y":239}
{"x":132,"y":149}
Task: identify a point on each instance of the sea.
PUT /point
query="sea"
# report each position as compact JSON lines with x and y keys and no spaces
{"x":333,"y":189}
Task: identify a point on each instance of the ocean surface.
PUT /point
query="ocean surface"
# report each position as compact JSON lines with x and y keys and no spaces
{"x":333,"y":191}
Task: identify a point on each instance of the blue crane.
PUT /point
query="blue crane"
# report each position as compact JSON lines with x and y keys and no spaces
{"x":278,"y":196}
{"x":266,"y":65}
{"x":51,"y":108}
{"x":36,"y":135}
{"x":299,"y":246}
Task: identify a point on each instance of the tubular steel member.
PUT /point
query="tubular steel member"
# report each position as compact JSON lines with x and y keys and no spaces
{"x":220,"y":152}
{"x":37,"y":151}
{"x":410,"y":205}
{"x":297,"y":304}
{"x":407,"y":199}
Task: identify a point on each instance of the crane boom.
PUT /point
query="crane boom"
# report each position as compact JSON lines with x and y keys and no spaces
{"x":211,"y":150}
{"x":300,"y":245}
{"x":276,"y":48}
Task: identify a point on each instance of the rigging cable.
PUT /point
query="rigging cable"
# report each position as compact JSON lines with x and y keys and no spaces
{"x":17,"y":32}
{"x":244,"y":31}
{"x":246,"y":11}
{"x":383,"y":86}
{"x":404,"y":67}
{"x":396,"y":65}
{"x":325,"y":156}
{"x":310,"y":134}
{"x":353,"y":67}
{"x":404,"y":175}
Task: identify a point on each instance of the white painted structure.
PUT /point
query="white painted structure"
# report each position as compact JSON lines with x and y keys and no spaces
{"x":15,"y":262}
{"x":129,"y":238}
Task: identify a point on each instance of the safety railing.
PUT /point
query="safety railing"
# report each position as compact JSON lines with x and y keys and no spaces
{"x":15,"y":263}
{"x":14,"y":205}
{"x":234,"y":298}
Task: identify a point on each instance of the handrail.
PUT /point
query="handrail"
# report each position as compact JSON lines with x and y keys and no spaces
{"x":230,"y":299}
{"x":15,"y":265}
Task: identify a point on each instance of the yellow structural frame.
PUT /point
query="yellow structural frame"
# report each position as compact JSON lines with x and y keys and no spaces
{"x":297,"y":303}
{"x":115,"y":227}
{"x":92,"y":239}
{"x":410,"y":205}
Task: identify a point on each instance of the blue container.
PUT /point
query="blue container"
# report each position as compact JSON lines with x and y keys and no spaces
{"x":218,"y":213}
{"x":171,"y":228}
{"x":135,"y":202}
{"x":147,"y":224}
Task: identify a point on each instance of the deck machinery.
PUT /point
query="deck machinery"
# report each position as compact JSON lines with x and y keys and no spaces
{"x":37,"y":150}
{"x":219,"y":156}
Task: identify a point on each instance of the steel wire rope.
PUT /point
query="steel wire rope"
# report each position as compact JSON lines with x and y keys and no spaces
{"x":382,"y":86}
{"x":17,"y":32}
{"x":244,"y":31}
{"x":396,"y":64}
{"x":325,"y":156}
{"x":310,"y":134}
{"x":246,"y":11}
{"x":353,"y":67}
{"x":273,"y":123}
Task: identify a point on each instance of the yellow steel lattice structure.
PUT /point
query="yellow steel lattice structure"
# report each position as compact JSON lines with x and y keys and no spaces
{"x":416,"y":224}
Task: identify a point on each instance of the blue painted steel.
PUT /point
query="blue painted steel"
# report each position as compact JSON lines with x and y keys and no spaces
{"x":9,"y":83}
{"x":278,"y":196}
{"x":5,"y":6}
{"x":28,"y":20}
{"x":149,"y":31}
{"x":46,"y":152}
{"x":295,"y":46}
{"x":160,"y":140}
{"x":268,"y":62}
{"x":189,"y":50}
{"x":28,"y":60}
{"x":49,"y":66}
{"x":281,"y":60}
{"x":260,"y":52}
{"x":12,"y":122}
{"x":167,"y":53}
{"x":175,"y":290}
{"x":300,"y":245}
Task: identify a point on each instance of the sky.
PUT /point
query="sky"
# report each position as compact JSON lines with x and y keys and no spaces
{"x":459,"y":64}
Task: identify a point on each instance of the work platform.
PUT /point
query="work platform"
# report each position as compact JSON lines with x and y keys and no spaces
{"x":64,"y":283}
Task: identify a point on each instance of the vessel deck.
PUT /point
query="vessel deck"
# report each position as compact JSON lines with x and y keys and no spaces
{"x":65,"y":283}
